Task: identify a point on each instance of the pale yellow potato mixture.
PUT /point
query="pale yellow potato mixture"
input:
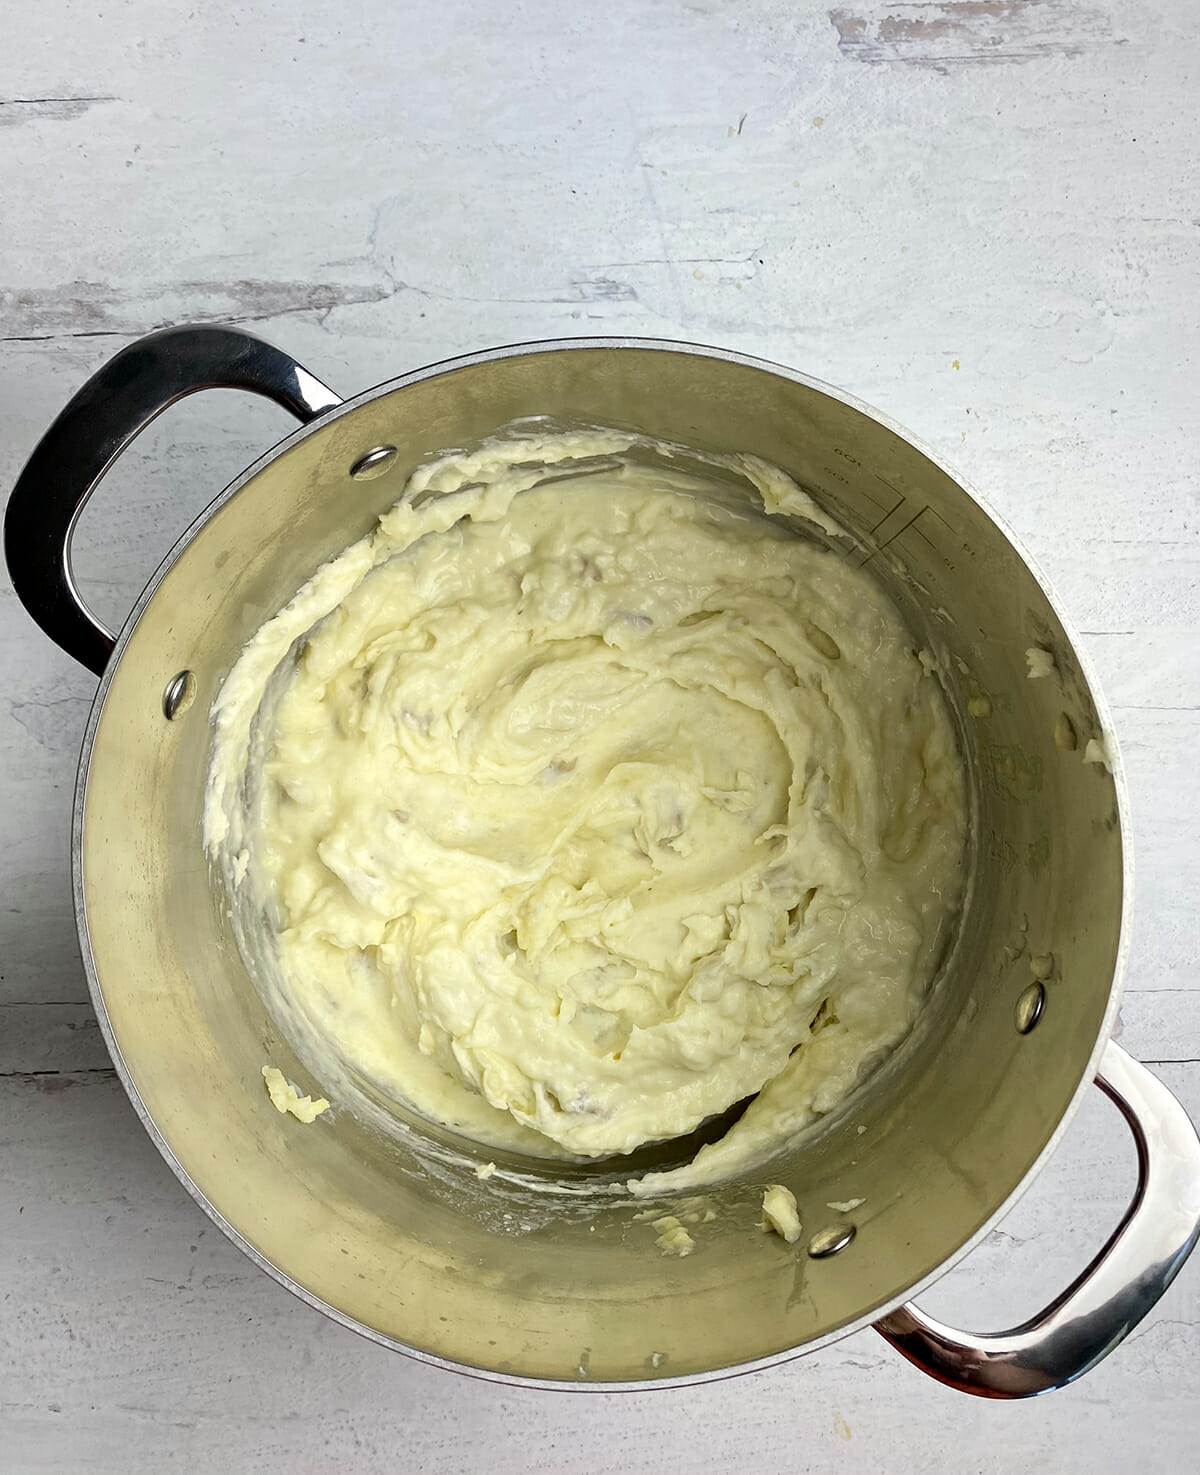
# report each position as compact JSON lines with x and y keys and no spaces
{"x":582,"y":809}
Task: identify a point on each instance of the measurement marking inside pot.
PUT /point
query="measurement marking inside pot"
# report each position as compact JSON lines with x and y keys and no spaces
{"x":891,"y":538}
{"x":895,"y":507}
{"x":920,"y":532}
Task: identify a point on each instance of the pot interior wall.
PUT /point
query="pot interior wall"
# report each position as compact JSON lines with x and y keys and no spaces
{"x":569,"y":1286}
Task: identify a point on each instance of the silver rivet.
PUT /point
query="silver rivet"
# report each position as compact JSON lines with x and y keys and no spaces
{"x":373,"y":464}
{"x":179,"y":695}
{"x":829,"y":1241}
{"x":1029,"y":1007}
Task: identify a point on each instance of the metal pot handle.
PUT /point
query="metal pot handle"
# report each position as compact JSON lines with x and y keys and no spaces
{"x":115,"y":404}
{"x":1127,"y":1277}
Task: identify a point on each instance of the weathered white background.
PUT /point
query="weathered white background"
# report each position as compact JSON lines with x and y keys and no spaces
{"x":981,"y":215}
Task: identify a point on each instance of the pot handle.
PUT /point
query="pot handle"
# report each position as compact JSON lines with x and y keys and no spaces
{"x":115,"y":404}
{"x":1127,"y":1277}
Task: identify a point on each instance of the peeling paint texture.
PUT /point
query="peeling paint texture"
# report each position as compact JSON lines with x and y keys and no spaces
{"x":960,"y":33}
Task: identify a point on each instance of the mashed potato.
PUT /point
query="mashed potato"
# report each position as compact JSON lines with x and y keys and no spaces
{"x":582,"y":807}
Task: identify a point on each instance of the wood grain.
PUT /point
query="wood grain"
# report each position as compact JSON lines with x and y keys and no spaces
{"x":979,"y":215}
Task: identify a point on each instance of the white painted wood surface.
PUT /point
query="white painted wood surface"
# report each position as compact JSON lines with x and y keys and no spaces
{"x":980,"y":215}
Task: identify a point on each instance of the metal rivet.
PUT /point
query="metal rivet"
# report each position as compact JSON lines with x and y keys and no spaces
{"x":373,"y":464}
{"x":830,"y":1241}
{"x":1029,"y":1007}
{"x":179,"y":695}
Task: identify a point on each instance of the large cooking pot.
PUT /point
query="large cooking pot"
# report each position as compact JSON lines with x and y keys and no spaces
{"x":567,"y":1285}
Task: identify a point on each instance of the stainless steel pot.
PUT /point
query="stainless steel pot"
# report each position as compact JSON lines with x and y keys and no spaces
{"x":574,"y":1290}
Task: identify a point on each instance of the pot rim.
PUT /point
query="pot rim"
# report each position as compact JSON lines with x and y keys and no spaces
{"x":430,"y":371}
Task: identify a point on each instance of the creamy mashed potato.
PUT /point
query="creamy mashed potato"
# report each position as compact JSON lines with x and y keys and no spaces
{"x":780,"y":1213}
{"x":285,"y":1097}
{"x":582,"y":807}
